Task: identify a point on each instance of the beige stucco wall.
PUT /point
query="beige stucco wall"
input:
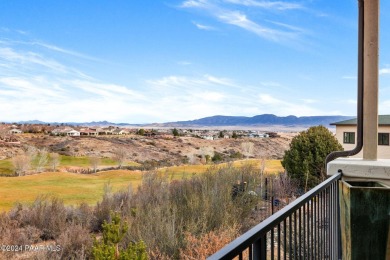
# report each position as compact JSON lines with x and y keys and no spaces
{"x":383,"y":150}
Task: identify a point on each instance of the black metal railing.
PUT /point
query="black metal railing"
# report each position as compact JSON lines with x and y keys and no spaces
{"x":307,"y":228}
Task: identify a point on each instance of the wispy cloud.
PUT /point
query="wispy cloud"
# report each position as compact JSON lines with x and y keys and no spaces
{"x":227,"y":13}
{"x":184,"y":63}
{"x":37,"y":84}
{"x":62,"y":50}
{"x":30,"y":58}
{"x":204,"y":27}
{"x":278,"y":5}
{"x":32,"y":85}
{"x":47,"y":46}
{"x":288,"y":26}
{"x":384,"y":71}
{"x":241,"y":20}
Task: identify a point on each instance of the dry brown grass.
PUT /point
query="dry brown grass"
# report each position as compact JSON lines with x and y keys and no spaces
{"x":200,"y":247}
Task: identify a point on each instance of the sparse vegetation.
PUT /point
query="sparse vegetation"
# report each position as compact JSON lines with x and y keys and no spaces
{"x":247,"y":149}
{"x":108,"y":246}
{"x":175,"y":219}
{"x":94,"y":161}
{"x":54,"y":161}
{"x":172,"y":209}
{"x":42,"y":158}
{"x":21,"y":164}
{"x":120,"y":156}
{"x":175,"y":132}
{"x":141,"y":131}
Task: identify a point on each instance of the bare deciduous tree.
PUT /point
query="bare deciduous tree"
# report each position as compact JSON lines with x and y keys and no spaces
{"x":42,"y":159}
{"x":192,"y":159}
{"x":262,"y":166}
{"x":247,"y":149}
{"x":284,"y":186}
{"x":94,"y":161}
{"x":54,"y":161}
{"x":207,"y":153}
{"x":31,"y":152}
{"x":262,"y":171}
{"x":120,"y":155}
{"x":22,"y":164}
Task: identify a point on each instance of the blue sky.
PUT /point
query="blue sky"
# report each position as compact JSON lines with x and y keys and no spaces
{"x":144,"y":61}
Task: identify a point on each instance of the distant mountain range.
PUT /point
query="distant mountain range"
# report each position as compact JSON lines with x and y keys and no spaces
{"x":259,"y":120}
{"x":265,"y":119}
{"x":93,"y":123}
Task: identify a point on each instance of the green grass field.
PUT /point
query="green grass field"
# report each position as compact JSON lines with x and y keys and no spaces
{"x":6,"y":167}
{"x":72,"y":188}
{"x":83,"y":161}
{"x":77,"y":188}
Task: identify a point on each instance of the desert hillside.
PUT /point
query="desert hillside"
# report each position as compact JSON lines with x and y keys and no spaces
{"x":174,"y":150}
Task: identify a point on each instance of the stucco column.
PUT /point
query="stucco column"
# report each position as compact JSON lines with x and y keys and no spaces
{"x":371,"y":49}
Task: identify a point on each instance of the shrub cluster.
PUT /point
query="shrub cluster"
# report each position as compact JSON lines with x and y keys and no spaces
{"x":174,"y":219}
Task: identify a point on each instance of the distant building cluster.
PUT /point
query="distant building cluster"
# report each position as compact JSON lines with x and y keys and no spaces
{"x":7,"y":130}
{"x":89,"y":131}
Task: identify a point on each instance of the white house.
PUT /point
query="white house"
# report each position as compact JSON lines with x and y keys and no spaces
{"x":119,"y":131}
{"x":73,"y":133}
{"x":15,"y":131}
{"x":346,"y":135}
{"x":65,"y":131}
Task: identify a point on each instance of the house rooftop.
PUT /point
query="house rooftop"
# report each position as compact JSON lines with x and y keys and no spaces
{"x":382,"y":120}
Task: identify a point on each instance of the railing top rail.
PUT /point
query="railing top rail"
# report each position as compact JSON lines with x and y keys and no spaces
{"x":244,"y":241}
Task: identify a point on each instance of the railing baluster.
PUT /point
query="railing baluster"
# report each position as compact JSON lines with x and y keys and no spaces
{"x":272,"y":243}
{"x":320,"y":224}
{"x":279,"y":241}
{"x":290,"y":236}
{"x":339,"y":247}
{"x":308,"y":221}
{"x":329,"y":216}
{"x":324,"y":225}
{"x":330,"y":222}
{"x":300,"y":232}
{"x":285,"y":239}
{"x":319,"y":242}
{"x":308,"y":217}
{"x":332,"y":237}
{"x":327,"y":222}
{"x":304,"y":231}
{"x":326,"y":229}
{"x":312,"y":229}
{"x":295,"y":235}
